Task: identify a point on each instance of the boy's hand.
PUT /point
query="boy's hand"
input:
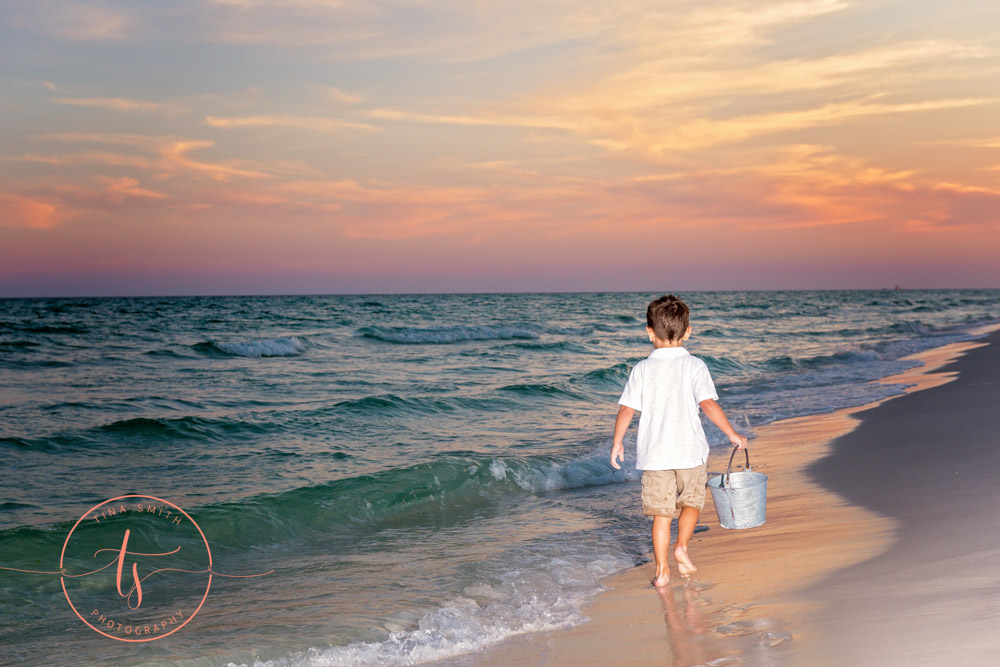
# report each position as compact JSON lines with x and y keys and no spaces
{"x":739,"y":440}
{"x":621,"y":425}
{"x":617,"y":452}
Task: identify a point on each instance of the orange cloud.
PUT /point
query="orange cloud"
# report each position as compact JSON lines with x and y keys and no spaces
{"x":705,"y":133}
{"x":129,"y":186}
{"x":172,"y":151}
{"x":21,"y":211}
{"x":314,"y":123}
{"x":46,"y":206}
{"x":340,"y":96}
{"x":176,"y":155}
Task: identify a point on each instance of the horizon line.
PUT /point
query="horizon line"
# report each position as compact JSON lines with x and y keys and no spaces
{"x":895,"y":288}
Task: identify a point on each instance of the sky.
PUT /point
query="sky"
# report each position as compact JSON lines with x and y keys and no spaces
{"x":343,"y":146}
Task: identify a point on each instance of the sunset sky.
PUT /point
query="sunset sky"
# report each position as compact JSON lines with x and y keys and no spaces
{"x":325,"y":146}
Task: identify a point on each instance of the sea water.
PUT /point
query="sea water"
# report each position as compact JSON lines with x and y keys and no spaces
{"x":423,"y":475}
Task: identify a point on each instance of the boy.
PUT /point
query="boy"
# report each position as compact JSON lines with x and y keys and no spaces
{"x":667,"y":388}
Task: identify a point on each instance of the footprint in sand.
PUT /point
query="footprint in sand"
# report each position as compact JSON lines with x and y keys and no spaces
{"x":774,"y":638}
{"x":734,"y":609}
{"x":738,"y":628}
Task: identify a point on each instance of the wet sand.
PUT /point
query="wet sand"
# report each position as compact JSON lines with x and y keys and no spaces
{"x":868,"y":533}
{"x":933,"y":598}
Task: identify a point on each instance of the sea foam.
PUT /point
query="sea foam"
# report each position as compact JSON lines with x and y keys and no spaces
{"x":271,"y":347}
{"x":533,"y":594}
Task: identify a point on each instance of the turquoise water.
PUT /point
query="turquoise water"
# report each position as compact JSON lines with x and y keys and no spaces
{"x":425,"y":475}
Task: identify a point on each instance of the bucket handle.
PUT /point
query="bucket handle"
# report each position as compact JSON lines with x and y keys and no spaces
{"x":729,"y":469}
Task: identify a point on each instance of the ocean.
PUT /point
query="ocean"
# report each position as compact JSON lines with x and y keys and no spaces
{"x":420,"y":476}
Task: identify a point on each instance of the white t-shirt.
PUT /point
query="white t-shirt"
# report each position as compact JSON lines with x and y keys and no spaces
{"x":666,"y":387}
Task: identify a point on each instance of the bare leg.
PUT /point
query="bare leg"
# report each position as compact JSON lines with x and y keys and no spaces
{"x":661,"y":547}
{"x":685,"y":529}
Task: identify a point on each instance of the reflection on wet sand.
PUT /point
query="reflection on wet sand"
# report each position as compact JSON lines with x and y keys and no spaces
{"x":684,"y":624}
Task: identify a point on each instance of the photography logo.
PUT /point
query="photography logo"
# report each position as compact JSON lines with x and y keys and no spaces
{"x":136,"y":568}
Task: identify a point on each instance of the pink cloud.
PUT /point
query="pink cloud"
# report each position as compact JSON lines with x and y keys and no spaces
{"x":21,"y":211}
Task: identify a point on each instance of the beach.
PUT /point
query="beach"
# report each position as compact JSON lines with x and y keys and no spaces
{"x":426,"y":478}
{"x":937,"y":599}
{"x":879,"y":548}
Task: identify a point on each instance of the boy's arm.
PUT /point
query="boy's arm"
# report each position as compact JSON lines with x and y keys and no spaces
{"x":718,"y":417}
{"x":621,"y":425}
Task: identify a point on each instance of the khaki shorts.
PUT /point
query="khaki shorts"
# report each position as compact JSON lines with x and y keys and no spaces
{"x":664,"y":492}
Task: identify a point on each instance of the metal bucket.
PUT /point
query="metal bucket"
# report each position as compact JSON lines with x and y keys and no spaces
{"x":740,"y":497}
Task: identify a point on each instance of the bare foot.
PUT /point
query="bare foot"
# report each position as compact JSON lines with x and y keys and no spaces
{"x":684,"y":564}
{"x":660,"y":580}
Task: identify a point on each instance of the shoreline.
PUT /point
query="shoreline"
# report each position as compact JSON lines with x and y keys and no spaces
{"x":933,"y":597}
{"x":750,"y":599}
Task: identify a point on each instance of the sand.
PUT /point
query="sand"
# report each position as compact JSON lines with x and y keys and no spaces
{"x":881,"y":545}
{"x":933,"y":598}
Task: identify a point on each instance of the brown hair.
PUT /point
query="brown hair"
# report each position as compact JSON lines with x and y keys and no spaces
{"x":668,"y":318}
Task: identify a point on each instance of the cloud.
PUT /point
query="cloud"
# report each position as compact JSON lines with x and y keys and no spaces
{"x":656,"y":82}
{"x":44,"y":206}
{"x":173,"y":154}
{"x":666,"y":81}
{"x":817,"y":187}
{"x":648,"y":135}
{"x":394,"y":28}
{"x":176,"y":155}
{"x":75,"y":21}
{"x":21,"y":211}
{"x":338,"y":95}
{"x":484,"y":120}
{"x":55,"y":88}
{"x":395,"y":212}
{"x":824,"y":167}
{"x":114,"y":103}
{"x":712,"y":28}
{"x":313,"y":123}
{"x":705,"y":133}
{"x":129,"y":187}
{"x":462,"y":31}
{"x":115,"y":138}
{"x":54,"y":160}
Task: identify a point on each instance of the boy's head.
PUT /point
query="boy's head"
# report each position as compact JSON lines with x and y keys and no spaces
{"x":667,"y":318}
